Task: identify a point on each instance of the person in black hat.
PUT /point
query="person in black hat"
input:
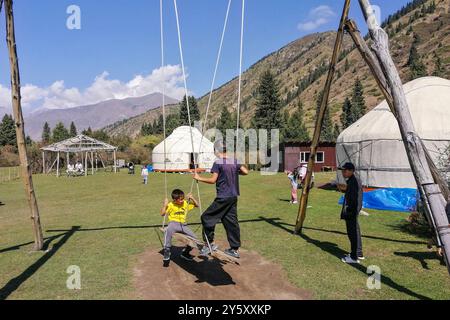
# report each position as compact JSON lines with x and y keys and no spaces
{"x":350,"y":212}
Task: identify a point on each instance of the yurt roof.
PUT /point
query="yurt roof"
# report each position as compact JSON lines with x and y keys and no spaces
{"x":429,"y":103}
{"x":180,"y":142}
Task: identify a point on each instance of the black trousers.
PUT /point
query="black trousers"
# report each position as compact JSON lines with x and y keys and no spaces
{"x":354,"y":235}
{"x":224,"y":210}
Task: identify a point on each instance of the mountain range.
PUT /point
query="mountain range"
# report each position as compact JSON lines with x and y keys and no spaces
{"x":95,"y":116}
{"x":300,"y":68}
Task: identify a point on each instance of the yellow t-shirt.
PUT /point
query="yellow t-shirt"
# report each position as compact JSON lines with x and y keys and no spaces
{"x":177,"y":213}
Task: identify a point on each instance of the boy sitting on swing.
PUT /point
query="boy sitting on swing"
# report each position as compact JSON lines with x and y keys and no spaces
{"x":225,"y":175}
{"x":176,"y":212}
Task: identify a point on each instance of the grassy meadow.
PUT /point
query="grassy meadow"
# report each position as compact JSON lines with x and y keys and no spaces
{"x":102,"y":223}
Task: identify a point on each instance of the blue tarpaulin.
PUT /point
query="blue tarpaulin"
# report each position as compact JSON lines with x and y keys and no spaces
{"x":403,"y":200}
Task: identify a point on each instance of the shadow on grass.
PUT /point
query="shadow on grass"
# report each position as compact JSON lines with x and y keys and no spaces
{"x":421,"y":257}
{"x":285,"y":226}
{"x":47,"y":242}
{"x":155,"y":226}
{"x":209,"y":271}
{"x":423,"y":232}
{"x":333,"y":249}
{"x":15,"y":283}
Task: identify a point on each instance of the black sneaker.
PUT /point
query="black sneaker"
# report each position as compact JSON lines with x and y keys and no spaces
{"x":232,"y":253}
{"x":187,"y":256}
{"x":167,"y":254}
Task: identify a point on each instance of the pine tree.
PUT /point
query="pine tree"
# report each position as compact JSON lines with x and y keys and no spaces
{"x":172,"y":122}
{"x":100,"y":135}
{"x":8,"y":131}
{"x":346,"y":116}
{"x":194,"y":111}
{"x":60,"y":133}
{"x":295,"y":129}
{"x":268,"y":105}
{"x":225,"y":121}
{"x":158,"y":125}
{"x":87,"y":132}
{"x":73,"y":130}
{"x":358,"y":103}
{"x":336,"y":131}
{"x":46,"y":134}
{"x":327,"y":134}
{"x":147,"y":129}
{"x":439,"y":69}
{"x":415,"y":63}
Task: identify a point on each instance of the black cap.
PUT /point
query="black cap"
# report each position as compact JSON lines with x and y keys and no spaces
{"x":347,"y":166}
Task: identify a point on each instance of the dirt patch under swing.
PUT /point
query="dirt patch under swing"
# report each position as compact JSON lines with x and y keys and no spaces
{"x":254,"y":279}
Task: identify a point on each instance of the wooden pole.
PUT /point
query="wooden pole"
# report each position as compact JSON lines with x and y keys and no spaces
{"x":57,"y":164}
{"x":115,"y":162}
{"x":92,"y":162}
{"x":432,"y":197}
{"x":43,"y":162}
{"x":19,"y":125}
{"x":86,"y":165}
{"x":319,"y":121}
{"x":371,"y":61}
{"x":380,"y":78}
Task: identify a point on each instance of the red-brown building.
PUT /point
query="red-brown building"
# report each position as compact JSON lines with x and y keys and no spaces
{"x":295,"y":154}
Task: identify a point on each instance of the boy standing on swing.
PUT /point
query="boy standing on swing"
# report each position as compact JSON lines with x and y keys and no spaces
{"x":225,"y":175}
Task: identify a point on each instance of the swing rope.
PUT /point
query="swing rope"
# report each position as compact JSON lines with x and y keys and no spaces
{"x":238,"y":115}
{"x":210,"y":94}
{"x":213,"y":83}
{"x":163,"y":105}
{"x":188,"y":109}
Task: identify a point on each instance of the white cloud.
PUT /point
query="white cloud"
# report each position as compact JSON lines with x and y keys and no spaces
{"x":317,"y":17}
{"x":57,"y":96}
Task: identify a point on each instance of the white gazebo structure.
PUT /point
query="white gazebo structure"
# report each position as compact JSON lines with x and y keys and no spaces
{"x":179,"y":154}
{"x":374,"y":143}
{"x":81,"y":145}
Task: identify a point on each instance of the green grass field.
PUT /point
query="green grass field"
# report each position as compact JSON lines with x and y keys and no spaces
{"x":102,"y":223}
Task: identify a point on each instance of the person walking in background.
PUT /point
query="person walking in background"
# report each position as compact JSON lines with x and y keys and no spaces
{"x":144,"y":174}
{"x":350,"y":212}
{"x":293,"y":179}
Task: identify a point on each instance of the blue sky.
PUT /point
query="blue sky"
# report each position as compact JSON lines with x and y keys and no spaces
{"x":117,"y":50}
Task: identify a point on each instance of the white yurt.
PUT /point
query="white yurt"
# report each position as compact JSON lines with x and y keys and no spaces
{"x":374,"y":142}
{"x":180,"y":156}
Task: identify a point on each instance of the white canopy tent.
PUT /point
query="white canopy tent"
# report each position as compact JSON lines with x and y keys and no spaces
{"x":180,"y":156}
{"x":374,"y":142}
{"x":82,"y":145}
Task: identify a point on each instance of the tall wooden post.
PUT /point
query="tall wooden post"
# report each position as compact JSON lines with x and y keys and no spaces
{"x":92,"y":162}
{"x":57,"y":164}
{"x":115,"y":162}
{"x":43,"y":162}
{"x":319,"y":121}
{"x":19,"y":125}
{"x":432,"y":197}
{"x":86,"y":165}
